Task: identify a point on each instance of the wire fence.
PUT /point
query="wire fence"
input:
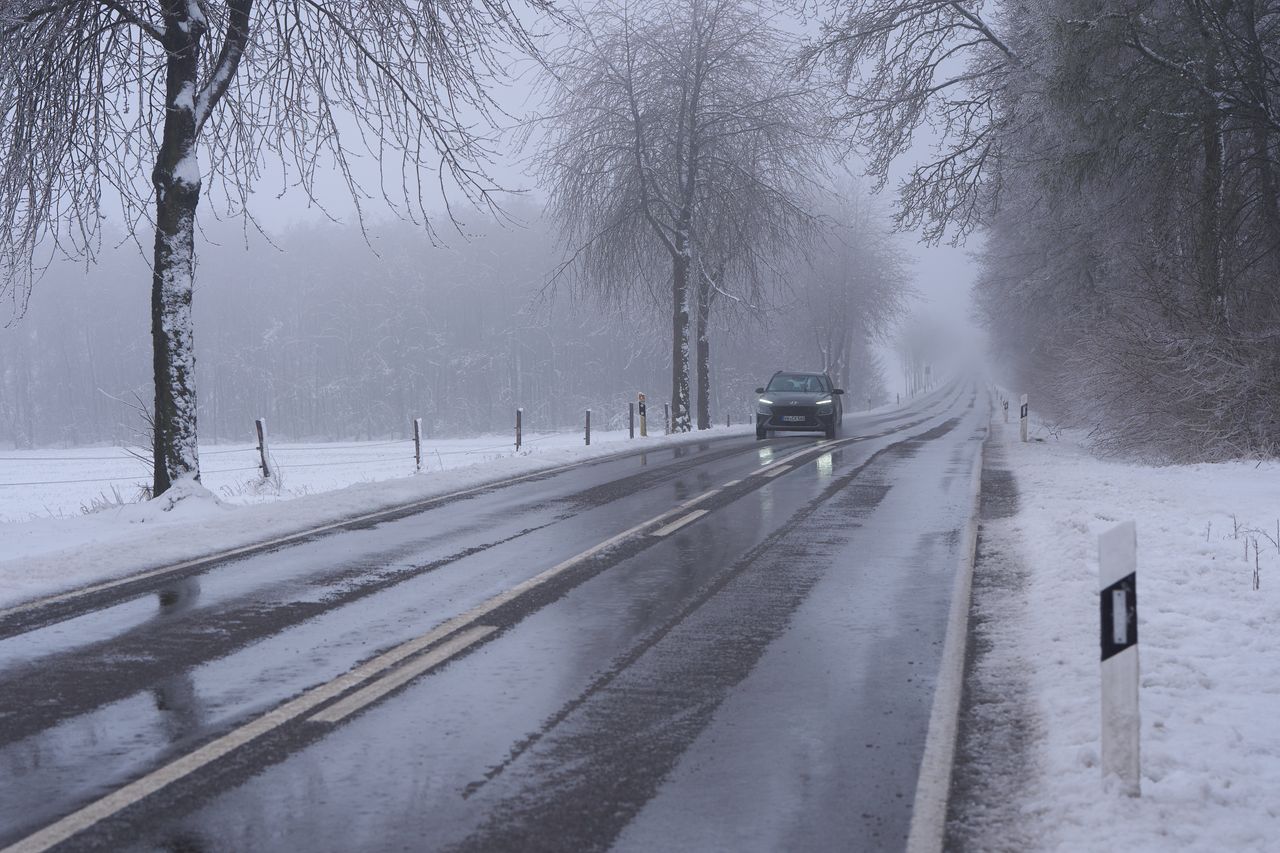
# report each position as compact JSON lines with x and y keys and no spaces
{"x":293,"y":456}
{"x":286,"y":456}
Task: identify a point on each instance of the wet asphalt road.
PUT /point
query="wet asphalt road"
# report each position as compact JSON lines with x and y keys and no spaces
{"x":727,"y":646}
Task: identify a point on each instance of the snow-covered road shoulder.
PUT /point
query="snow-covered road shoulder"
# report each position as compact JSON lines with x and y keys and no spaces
{"x":46,"y":556}
{"x":1210,"y":648}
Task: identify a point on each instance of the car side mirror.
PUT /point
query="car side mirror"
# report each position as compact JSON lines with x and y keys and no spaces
{"x":838,"y":391}
{"x":759,"y":390}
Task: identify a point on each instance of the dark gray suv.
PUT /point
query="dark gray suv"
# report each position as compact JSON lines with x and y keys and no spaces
{"x":802,"y":402}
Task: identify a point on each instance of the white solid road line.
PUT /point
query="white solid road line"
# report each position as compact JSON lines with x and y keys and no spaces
{"x":773,"y":472}
{"x":677,"y":524}
{"x":401,"y":675}
{"x":80,"y":592}
{"x":927,"y":833}
{"x":336,"y":525}
{"x":126,"y":796}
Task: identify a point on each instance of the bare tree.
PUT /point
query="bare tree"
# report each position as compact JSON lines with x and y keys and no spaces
{"x":673,"y":131}
{"x":852,"y":284}
{"x":906,"y":64}
{"x":97,"y":96}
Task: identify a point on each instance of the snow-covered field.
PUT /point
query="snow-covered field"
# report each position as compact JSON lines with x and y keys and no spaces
{"x":1209,"y":647}
{"x":48,"y":543}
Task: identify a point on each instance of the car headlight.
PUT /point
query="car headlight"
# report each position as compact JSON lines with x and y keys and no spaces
{"x":764,"y":407}
{"x":826,"y":407}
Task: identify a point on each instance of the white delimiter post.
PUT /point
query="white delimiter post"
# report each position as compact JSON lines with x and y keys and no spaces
{"x":1117,"y":580}
{"x":1023,"y":428}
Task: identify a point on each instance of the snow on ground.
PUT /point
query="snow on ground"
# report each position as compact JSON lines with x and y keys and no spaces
{"x":56,"y":483}
{"x":1209,"y":648}
{"x":50,"y":542}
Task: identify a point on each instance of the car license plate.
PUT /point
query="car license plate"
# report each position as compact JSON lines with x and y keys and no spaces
{"x":793,"y":419}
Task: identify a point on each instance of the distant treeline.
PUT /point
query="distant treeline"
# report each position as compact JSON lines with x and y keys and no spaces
{"x":330,"y":335}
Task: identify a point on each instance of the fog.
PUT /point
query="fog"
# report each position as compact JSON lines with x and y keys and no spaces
{"x":338,"y":324}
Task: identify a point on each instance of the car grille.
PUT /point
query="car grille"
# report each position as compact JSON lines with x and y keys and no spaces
{"x":780,"y":413}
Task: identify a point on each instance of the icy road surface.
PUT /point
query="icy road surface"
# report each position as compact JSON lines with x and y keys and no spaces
{"x":729,"y":645}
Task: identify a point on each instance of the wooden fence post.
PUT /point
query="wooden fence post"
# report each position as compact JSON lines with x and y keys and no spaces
{"x":261,"y":425}
{"x":417,"y":443}
{"x":519,"y":417}
{"x":631,"y":420}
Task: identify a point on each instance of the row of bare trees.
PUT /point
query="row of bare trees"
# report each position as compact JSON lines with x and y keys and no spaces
{"x":677,"y":135}
{"x":684,"y":156}
{"x":1122,"y":159}
{"x":329,"y":341}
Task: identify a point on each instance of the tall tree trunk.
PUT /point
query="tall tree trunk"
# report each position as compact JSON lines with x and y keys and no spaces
{"x":24,"y":426}
{"x":1209,"y":252}
{"x":1268,"y":193}
{"x":680,"y":340}
{"x":1210,"y":260}
{"x":176,"y":179}
{"x":704,"y":355}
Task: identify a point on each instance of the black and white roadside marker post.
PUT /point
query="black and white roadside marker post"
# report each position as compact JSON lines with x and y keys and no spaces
{"x":588,"y":432}
{"x":519,"y":417}
{"x":1005,"y":403}
{"x":644,"y":420}
{"x":1118,"y":606}
{"x":1023,"y":416}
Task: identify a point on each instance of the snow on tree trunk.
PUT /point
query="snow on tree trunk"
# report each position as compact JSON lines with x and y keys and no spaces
{"x":176,"y":179}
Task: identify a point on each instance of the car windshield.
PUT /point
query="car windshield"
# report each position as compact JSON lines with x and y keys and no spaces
{"x":797,"y":383}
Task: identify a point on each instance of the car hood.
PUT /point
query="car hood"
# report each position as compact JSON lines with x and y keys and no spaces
{"x":792,"y":398}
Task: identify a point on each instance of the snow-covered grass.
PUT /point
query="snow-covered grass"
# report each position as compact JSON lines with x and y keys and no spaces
{"x":49,"y":544}
{"x":1209,"y":646}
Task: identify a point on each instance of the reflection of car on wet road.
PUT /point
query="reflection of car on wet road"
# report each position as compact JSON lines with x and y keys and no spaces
{"x":804,"y":402}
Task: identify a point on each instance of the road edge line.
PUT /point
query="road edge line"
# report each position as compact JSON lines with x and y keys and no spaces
{"x":288,"y":538}
{"x":933,"y":783}
{"x":291,"y":537}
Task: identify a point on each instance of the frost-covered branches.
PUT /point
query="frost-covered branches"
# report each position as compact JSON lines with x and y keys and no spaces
{"x":82,"y":98}
{"x":904,"y":65}
{"x":98,"y":96}
{"x":674,"y":131}
{"x":1131,"y":272}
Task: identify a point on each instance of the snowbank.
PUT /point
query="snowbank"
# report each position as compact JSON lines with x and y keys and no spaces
{"x":54,"y":553}
{"x":1209,"y":646}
